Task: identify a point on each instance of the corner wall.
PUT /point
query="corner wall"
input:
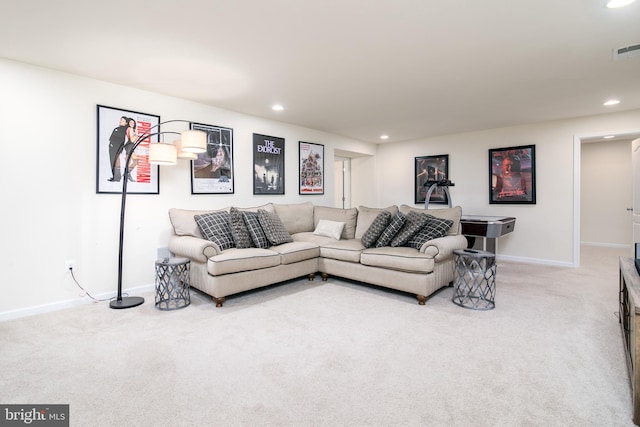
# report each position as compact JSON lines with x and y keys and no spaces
{"x":544,"y":231}
{"x":51,"y":210}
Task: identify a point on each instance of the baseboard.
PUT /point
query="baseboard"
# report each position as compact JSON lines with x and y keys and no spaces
{"x":607,"y":245}
{"x":60,"y":305}
{"x":534,"y":261}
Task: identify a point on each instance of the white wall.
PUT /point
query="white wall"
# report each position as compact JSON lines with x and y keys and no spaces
{"x":51,"y":212}
{"x":544,"y":231}
{"x":606,"y":193}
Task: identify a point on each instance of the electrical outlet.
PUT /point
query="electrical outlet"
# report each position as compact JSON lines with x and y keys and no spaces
{"x":69,"y":265}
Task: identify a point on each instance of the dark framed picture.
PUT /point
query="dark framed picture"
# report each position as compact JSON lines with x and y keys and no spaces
{"x":311,"y":161}
{"x":117,"y":132}
{"x":512,"y":175}
{"x":428,"y":171}
{"x":268,"y":164}
{"x":212,"y":171}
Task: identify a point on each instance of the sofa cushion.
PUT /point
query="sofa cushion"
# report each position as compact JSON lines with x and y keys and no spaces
{"x":273,"y":228}
{"x":366,"y":216}
{"x":297,"y":217}
{"x":400,"y":258}
{"x":255,"y":229}
{"x":214,"y":226}
{"x":348,"y":216}
{"x":236,"y":260}
{"x":184,"y":223}
{"x":414,"y":223}
{"x":435,"y":228}
{"x":377,"y":227}
{"x":452,"y":214}
{"x":239,"y":231}
{"x":343,"y":250}
{"x":392,"y":229}
{"x":296,"y":252}
{"x":328,"y":228}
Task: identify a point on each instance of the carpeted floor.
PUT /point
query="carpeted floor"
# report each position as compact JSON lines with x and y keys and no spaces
{"x":338,"y":353}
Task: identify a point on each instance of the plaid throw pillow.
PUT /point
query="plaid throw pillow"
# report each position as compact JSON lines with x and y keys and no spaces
{"x":214,"y":226}
{"x":435,"y":228}
{"x":392,"y":229}
{"x":255,"y":230}
{"x":414,"y":223}
{"x":239,"y":230}
{"x":371,"y":236}
{"x":273,"y":228}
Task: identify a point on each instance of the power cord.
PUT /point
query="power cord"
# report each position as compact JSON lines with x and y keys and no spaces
{"x":85,"y":292}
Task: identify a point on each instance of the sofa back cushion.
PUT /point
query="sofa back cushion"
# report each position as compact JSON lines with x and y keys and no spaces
{"x":366,"y":216}
{"x":348,"y":216}
{"x":184,"y":223}
{"x":297,"y":217}
{"x":452,"y":214}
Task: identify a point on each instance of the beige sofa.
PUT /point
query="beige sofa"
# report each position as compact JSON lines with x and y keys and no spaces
{"x":220,"y":273}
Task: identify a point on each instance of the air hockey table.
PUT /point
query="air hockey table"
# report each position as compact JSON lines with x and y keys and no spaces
{"x":490,"y":228}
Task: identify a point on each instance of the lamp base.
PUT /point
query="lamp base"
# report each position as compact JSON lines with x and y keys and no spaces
{"x":126,"y":302}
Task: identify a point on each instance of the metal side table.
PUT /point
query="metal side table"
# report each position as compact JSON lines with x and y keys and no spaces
{"x":474,"y":279}
{"x":172,"y":283}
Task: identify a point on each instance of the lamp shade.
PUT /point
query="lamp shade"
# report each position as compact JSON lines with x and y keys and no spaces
{"x":184,"y":154}
{"x":162,"y":154}
{"x":193,"y":141}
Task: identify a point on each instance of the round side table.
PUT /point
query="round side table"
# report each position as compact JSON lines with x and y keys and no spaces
{"x":474,"y":279}
{"x":172,"y":283}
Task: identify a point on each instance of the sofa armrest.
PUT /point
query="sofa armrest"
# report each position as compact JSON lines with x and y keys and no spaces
{"x":443,"y":247}
{"x":193,"y":248}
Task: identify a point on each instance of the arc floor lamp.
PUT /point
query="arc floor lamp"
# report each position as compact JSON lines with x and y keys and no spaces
{"x":160,"y":153}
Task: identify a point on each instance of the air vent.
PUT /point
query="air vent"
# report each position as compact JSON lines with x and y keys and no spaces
{"x":626,"y":52}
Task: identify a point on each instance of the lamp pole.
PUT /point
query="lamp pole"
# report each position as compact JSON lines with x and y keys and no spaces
{"x":129,"y":301}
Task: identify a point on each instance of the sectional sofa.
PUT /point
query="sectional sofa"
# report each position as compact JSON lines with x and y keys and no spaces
{"x":331,"y":241}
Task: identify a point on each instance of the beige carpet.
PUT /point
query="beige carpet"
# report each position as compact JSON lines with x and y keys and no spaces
{"x":338,"y":354}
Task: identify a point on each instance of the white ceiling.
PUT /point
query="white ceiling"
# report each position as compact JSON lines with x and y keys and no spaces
{"x":358,"y":68}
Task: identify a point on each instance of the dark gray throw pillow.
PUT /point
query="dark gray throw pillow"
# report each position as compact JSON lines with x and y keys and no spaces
{"x":239,"y":230}
{"x":214,"y":226}
{"x":371,"y":236}
{"x":414,"y":223}
{"x":273,"y":228}
{"x":255,"y":229}
{"x":392,"y":229}
{"x":435,"y":228}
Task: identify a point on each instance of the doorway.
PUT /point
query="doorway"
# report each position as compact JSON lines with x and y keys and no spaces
{"x":587,"y":173}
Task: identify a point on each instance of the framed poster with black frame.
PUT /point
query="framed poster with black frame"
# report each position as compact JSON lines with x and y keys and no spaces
{"x":512,"y":175}
{"x":311,"y":173}
{"x":117,"y":132}
{"x":268,"y":164}
{"x":212,"y":171}
{"x":430,"y":169}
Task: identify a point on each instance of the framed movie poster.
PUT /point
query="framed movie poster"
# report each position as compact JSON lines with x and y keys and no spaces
{"x":212,"y":171}
{"x":429,"y":170}
{"x":512,"y":175}
{"x":268,"y":164}
{"x":117,"y":132}
{"x":311,"y":173}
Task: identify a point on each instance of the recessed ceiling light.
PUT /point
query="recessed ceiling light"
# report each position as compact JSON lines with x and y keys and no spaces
{"x":277,"y":107}
{"x":384,"y":136}
{"x":609,"y":136}
{"x":611,"y":102}
{"x":613,"y":4}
